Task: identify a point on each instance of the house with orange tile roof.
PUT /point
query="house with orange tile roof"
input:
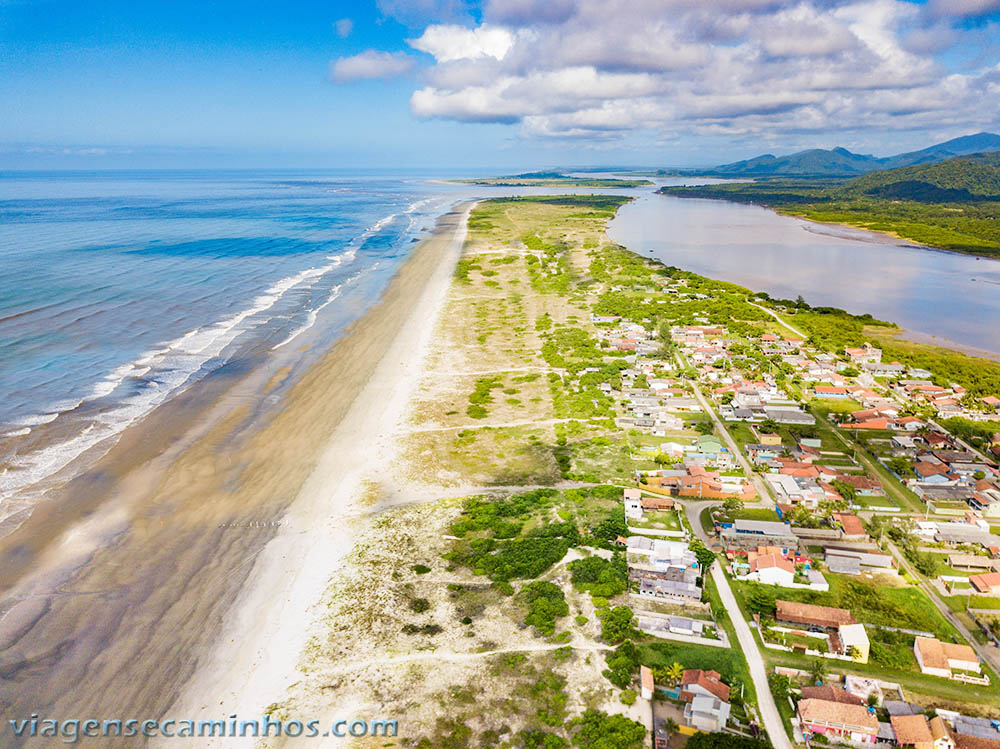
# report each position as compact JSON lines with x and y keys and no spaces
{"x":988,"y":584}
{"x":837,"y":719}
{"x":811,"y":615}
{"x":912,"y":730}
{"x":829,"y":391}
{"x":941,"y":733}
{"x":695,"y":681}
{"x":772,"y":569}
{"x":646,"y":684}
{"x":943,"y":658}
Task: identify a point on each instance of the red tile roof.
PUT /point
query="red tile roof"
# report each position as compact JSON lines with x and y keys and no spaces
{"x":711,"y":681}
{"x":911,"y":729}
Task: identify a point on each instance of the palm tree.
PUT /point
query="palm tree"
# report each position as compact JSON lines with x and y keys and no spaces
{"x":675,"y":672}
{"x":816,"y":671}
{"x":671,"y":725}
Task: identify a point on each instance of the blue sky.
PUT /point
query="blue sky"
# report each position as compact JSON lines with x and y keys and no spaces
{"x":503,"y":84}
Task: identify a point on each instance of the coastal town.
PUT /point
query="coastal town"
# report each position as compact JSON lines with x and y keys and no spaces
{"x":679,"y":499}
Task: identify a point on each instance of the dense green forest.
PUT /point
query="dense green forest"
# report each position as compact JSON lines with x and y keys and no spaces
{"x":952,"y":205}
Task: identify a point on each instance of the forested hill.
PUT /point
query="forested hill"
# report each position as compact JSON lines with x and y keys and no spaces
{"x":952,"y":205}
{"x":974,"y":177}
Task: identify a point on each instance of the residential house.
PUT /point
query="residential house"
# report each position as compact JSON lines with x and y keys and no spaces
{"x":752,"y":533}
{"x":707,"y":713}
{"x":829,"y":391}
{"x":646,"y":684}
{"x":772,"y":569}
{"x":851,"y":526}
{"x":633,"y":504}
{"x":811,"y":615}
{"x":912,"y":730}
{"x":942,"y":658}
{"x":941,"y":734}
{"x":831,"y":693}
{"x":988,"y":584}
{"x":853,"y":641}
{"x":695,"y":681}
{"x":837,"y":719}
{"x":866,"y":354}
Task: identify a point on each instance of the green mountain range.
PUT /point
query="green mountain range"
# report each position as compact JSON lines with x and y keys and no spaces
{"x":839,"y":162}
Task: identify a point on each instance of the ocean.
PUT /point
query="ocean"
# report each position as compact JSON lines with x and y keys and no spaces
{"x":120,"y":290}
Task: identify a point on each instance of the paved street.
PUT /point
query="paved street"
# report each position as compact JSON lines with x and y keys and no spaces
{"x":758,"y":483}
{"x":765,"y":700}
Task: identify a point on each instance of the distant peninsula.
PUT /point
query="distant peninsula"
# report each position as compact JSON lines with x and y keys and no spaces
{"x":552,"y":179}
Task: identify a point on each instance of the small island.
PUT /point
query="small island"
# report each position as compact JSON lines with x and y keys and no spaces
{"x":552,"y":179}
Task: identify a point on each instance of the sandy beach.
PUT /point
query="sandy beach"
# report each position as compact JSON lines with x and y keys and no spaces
{"x":266,"y":631}
{"x":161,"y":578}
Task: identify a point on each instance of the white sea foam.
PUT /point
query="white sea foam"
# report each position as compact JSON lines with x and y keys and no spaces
{"x":335,"y":293}
{"x":174,"y":363}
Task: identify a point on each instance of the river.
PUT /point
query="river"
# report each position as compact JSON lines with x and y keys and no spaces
{"x":940,"y":297}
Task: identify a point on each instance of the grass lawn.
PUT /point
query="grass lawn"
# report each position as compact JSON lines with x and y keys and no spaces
{"x":749,"y":513}
{"x":915,"y":682}
{"x":869,"y":602}
{"x":866,"y":502}
{"x":837,"y":405}
{"x":722,"y":620}
{"x":930,"y":687}
{"x":740,"y":431}
{"x":664,"y":520}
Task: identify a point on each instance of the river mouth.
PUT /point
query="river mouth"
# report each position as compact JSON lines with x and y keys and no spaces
{"x":944,"y":298}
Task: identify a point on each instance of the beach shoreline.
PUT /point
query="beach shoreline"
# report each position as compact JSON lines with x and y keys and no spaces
{"x":135,"y":569}
{"x":262,"y":639}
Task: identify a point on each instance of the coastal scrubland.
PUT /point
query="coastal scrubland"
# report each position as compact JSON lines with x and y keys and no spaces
{"x":491,"y":607}
{"x":486,"y":601}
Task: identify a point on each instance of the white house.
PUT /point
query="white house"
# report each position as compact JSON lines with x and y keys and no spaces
{"x":633,"y":504}
{"x":941,"y":658}
{"x":772,"y":569}
{"x":706,"y":713}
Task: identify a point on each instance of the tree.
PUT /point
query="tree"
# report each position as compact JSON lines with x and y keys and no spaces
{"x":704,"y":426}
{"x":732,"y":505}
{"x":899,"y":465}
{"x":546,"y":603}
{"x":616,"y":626}
{"x":780,"y":685}
{"x":597,"y":730}
{"x":817,"y":671}
{"x":704,"y":555}
{"x":845,"y":490}
{"x":675,"y":672}
{"x":761,"y":599}
{"x":769,"y":425}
